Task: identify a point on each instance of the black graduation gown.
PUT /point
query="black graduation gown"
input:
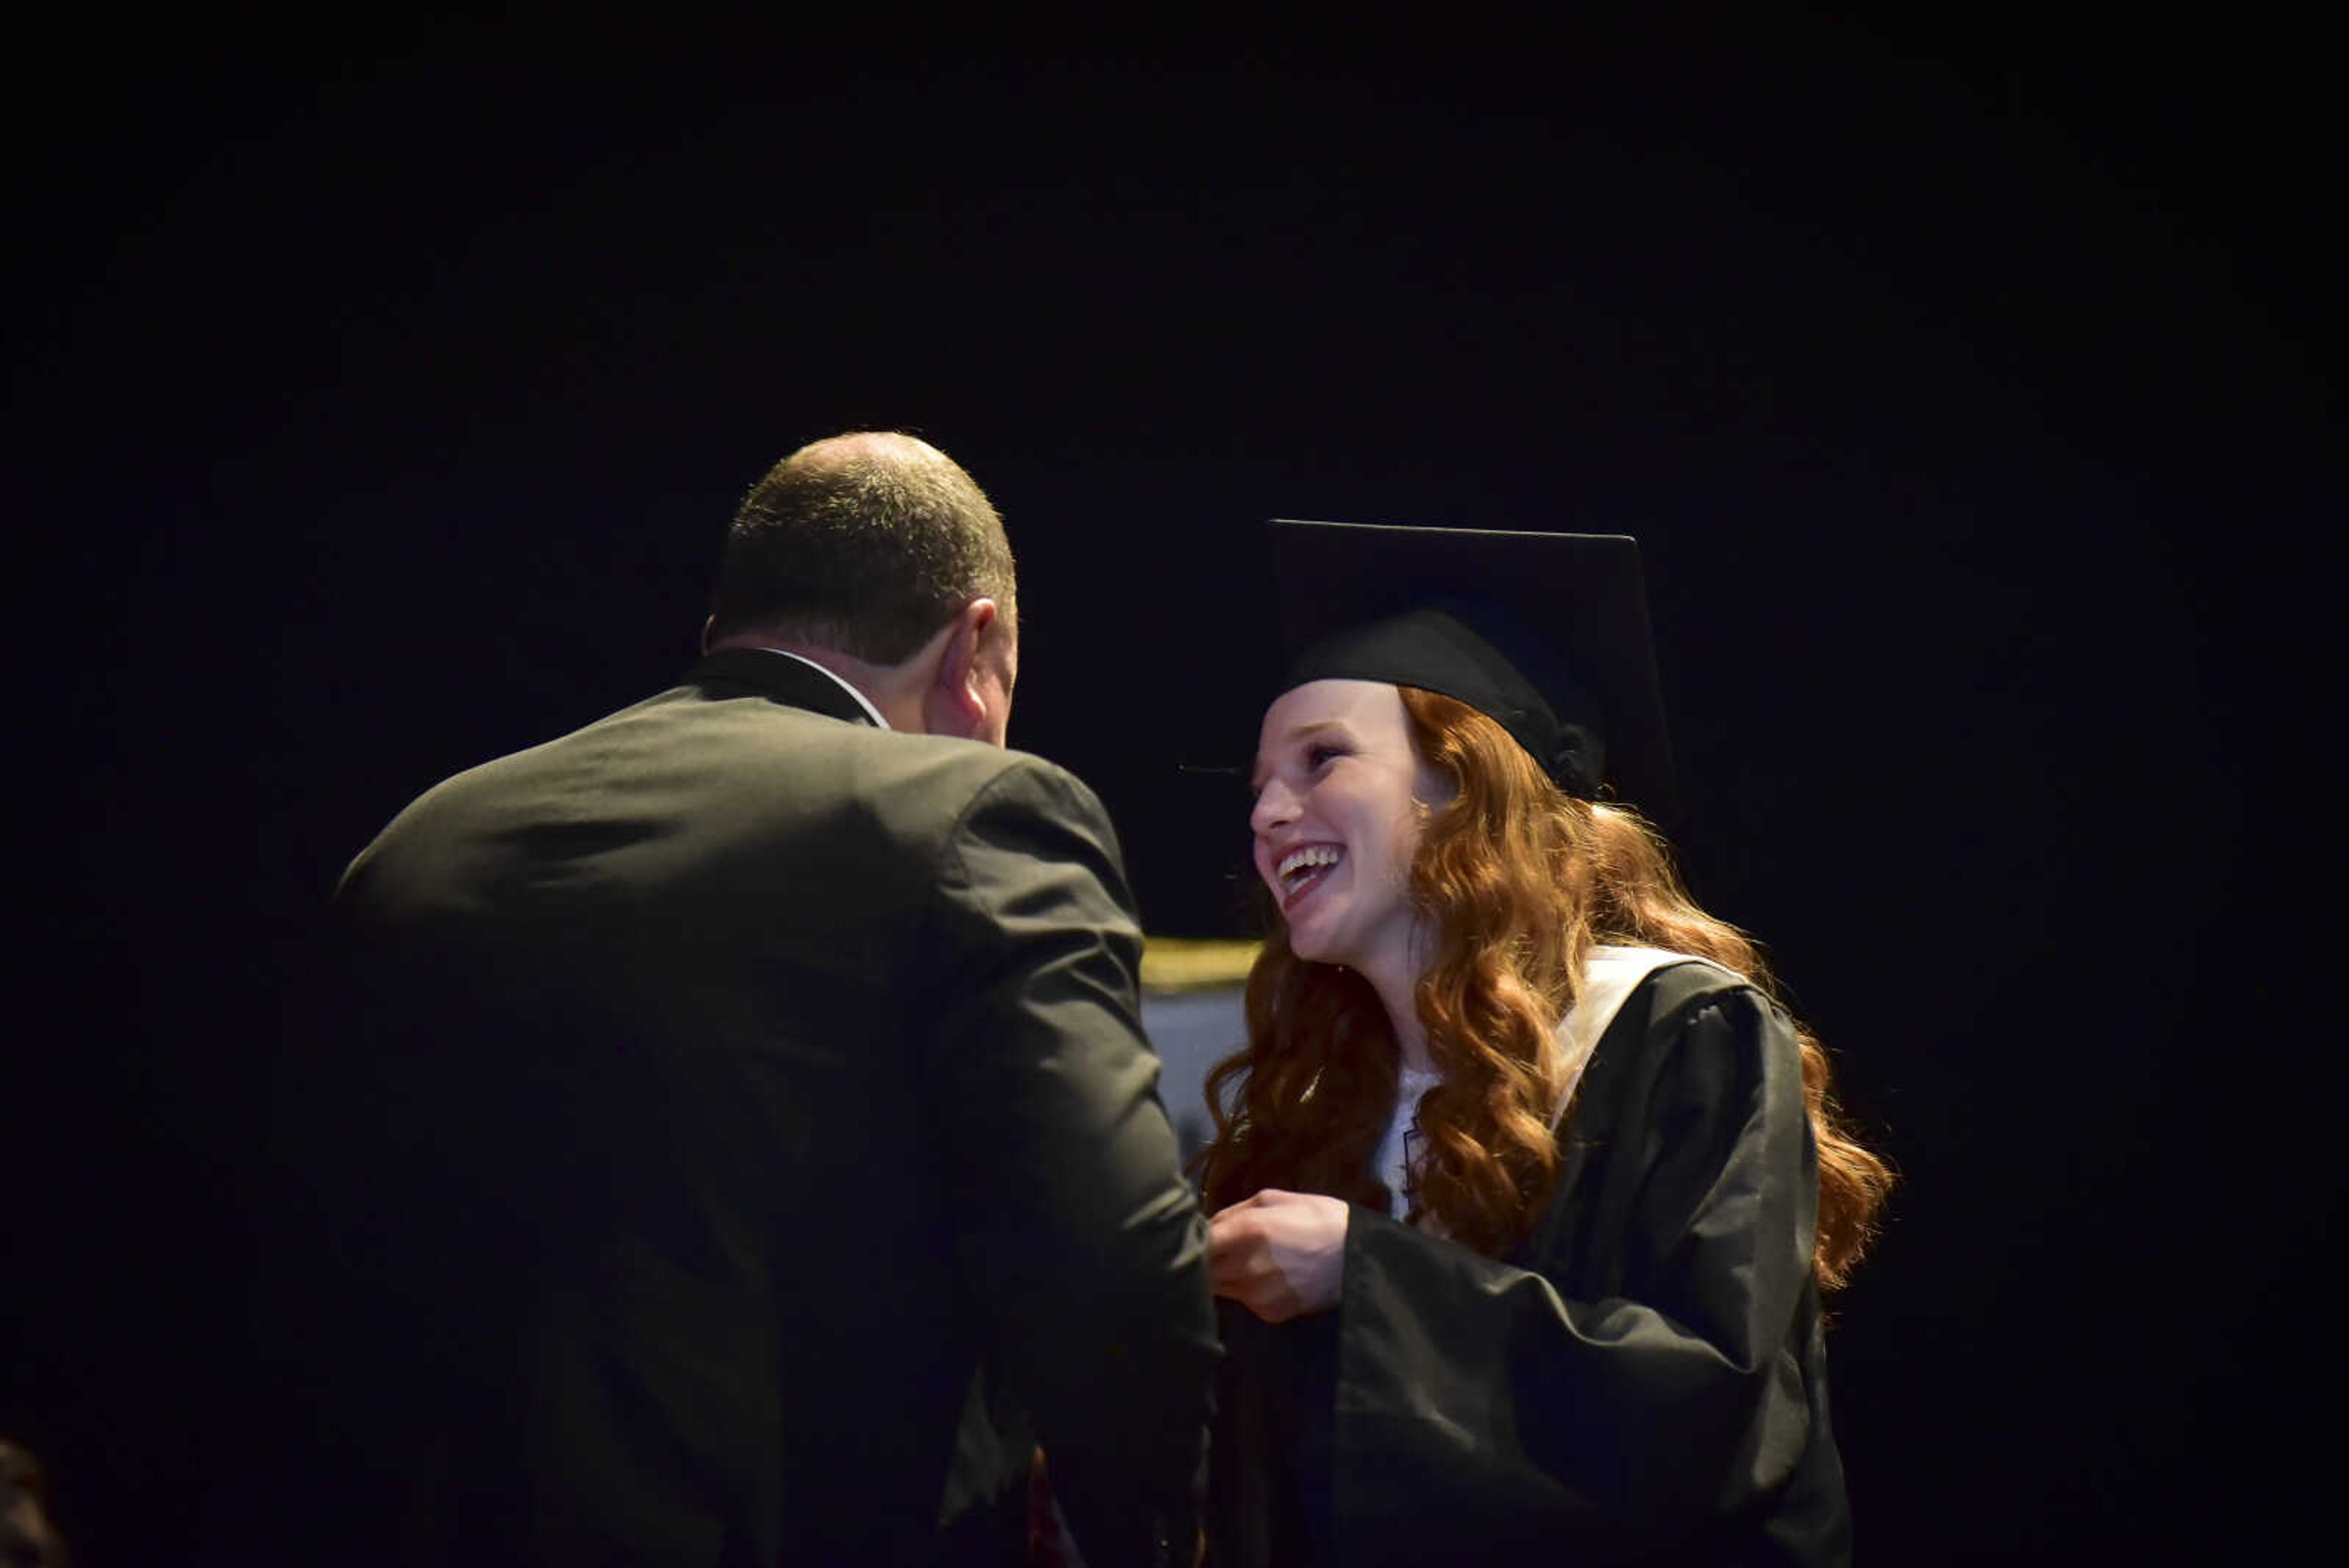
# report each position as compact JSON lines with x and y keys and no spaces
{"x":1643,"y":1380}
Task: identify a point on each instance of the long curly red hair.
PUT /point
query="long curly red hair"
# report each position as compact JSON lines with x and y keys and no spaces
{"x":1517,"y":881}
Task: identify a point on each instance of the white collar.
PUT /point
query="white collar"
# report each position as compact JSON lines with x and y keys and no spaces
{"x":861,"y":700}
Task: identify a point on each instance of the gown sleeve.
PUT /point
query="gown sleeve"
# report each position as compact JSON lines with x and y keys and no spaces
{"x":1634,"y":1378}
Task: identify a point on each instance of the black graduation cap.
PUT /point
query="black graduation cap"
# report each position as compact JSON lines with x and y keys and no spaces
{"x":1547,"y":633}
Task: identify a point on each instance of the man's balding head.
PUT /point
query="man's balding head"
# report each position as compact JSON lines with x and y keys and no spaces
{"x":865,"y":542}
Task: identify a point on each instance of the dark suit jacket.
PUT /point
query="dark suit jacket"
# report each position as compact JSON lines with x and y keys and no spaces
{"x":756,"y":1151}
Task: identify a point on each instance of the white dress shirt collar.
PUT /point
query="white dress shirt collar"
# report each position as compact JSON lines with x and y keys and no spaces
{"x":862,"y":701}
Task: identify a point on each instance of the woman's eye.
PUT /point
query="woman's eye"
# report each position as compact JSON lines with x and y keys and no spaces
{"x":1315,"y":756}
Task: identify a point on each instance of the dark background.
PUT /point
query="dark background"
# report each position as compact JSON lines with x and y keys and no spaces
{"x":377,"y":394}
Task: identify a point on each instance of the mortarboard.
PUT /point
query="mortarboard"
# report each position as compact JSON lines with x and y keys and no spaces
{"x":1546,"y":634}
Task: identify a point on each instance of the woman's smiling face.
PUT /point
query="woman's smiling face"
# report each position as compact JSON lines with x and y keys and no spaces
{"x":1341,"y":793}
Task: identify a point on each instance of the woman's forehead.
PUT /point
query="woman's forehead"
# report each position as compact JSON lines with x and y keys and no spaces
{"x":1371,"y":708}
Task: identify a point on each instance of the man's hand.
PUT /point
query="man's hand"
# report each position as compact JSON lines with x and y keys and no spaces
{"x":1279,"y":1254}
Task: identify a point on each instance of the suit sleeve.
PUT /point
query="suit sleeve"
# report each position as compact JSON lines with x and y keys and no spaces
{"x":1079,"y":1236}
{"x":1629,"y":1401}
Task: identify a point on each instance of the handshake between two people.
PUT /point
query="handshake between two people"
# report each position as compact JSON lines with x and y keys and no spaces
{"x":1279,"y":1254}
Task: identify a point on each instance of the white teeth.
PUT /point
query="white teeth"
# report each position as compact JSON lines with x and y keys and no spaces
{"x":1312,"y":855}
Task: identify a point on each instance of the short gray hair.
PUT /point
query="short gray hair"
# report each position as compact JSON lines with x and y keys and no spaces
{"x":866,"y":544}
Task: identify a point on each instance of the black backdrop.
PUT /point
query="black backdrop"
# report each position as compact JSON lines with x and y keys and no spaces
{"x":376,"y":401}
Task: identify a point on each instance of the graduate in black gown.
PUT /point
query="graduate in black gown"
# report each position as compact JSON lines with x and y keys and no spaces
{"x":1526,"y":1187}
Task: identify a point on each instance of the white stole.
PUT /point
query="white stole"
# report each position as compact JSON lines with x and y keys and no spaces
{"x":1608,"y":978}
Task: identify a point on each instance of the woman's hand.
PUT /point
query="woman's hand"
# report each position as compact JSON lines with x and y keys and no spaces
{"x":1279,"y":1254}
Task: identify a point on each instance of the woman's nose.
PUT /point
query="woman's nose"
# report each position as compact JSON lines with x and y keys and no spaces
{"x":1275,"y":804}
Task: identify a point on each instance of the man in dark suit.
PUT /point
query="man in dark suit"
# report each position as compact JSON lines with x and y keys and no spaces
{"x":761,"y":1153}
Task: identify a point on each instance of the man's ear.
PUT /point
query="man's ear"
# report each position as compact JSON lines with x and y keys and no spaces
{"x":958,"y":701}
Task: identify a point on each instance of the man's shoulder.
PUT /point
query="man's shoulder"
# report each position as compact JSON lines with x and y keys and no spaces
{"x":962,"y":783}
{"x":859,"y":755}
{"x":754,"y":773}
{"x":1025,"y":775}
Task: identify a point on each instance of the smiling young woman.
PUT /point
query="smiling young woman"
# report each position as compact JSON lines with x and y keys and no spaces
{"x":1340,"y":794}
{"x":1525,"y":1186}
{"x":1506,"y":889}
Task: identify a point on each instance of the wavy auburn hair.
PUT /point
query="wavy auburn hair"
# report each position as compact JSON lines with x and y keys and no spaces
{"x":1516,"y":881}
